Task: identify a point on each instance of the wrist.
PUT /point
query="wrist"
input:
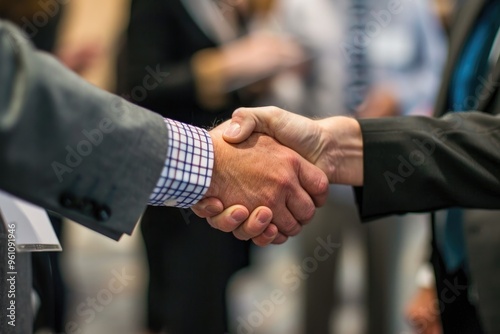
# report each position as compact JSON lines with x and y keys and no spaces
{"x":222,"y":157}
{"x":344,"y":148}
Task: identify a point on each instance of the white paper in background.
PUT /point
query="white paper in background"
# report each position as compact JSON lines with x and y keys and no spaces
{"x":34,"y":232}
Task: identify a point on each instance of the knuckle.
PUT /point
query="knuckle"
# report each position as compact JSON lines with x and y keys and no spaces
{"x":291,"y":228}
{"x":283,"y":182}
{"x":293,"y":159}
{"x":322,"y":184}
{"x":271,"y":199}
{"x":275,"y":111}
{"x":239,"y":112}
{"x":309,"y":212}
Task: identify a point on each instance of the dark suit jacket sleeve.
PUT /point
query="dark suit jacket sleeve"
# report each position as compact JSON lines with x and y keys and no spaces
{"x":70,"y":147}
{"x":417,"y":164}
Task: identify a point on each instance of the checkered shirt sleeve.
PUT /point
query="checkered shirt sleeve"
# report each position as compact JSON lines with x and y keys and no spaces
{"x":187,"y":173}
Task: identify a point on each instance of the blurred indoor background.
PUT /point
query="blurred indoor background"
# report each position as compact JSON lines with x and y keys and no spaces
{"x":206,"y":58}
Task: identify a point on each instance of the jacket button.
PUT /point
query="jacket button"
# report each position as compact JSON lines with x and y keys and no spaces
{"x":67,"y":200}
{"x":88,"y":206}
{"x":102,"y":213}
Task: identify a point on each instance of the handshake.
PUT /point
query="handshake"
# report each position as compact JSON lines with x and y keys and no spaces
{"x":272,"y":169}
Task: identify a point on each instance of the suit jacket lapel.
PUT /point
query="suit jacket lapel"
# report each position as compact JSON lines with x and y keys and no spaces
{"x":491,"y":83}
{"x":462,"y":27}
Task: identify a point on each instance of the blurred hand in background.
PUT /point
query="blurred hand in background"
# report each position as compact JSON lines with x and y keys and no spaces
{"x":423,"y":312}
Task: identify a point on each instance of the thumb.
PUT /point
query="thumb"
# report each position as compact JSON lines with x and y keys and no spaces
{"x":246,"y":121}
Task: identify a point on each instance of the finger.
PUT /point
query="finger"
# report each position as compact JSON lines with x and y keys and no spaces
{"x":301,"y":206}
{"x":208,"y":207}
{"x":286,"y":223}
{"x":230,"y":219}
{"x":245,"y":121}
{"x":255,"y":225}
{"x":314,"y":181}
{"x":300,"y":203}
{"x":270,"y":233}
{"x":280,"y":239}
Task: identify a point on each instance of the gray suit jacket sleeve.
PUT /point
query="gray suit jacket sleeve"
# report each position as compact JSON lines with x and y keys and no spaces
{"x":70,"y":147}
{"x":417,"y":164}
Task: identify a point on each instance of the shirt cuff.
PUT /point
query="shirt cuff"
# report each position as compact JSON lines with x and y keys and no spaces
{"x":187,"y":173}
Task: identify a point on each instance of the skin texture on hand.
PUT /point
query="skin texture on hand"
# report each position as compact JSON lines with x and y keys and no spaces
{"x":334,"y":145}
{"x":261,"y":172}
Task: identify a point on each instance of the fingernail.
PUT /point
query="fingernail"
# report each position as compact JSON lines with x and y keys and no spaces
{"x":263,"y":217}
{"x":233,"y":130}
{"x":213,"y":209}
{"x":239,"y":216}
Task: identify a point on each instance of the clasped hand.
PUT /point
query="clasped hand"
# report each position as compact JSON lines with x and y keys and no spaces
{"x":263,"y":191}
{"x":259,"y":175}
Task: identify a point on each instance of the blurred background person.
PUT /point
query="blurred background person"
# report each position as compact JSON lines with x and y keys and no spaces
{"x":196,"y":62}
{"x":431,"y":311}
{"x":393,"y":63}
{"x":204,"y":59}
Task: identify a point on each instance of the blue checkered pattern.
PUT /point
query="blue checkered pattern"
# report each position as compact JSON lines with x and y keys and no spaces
{"x":188,"y":167}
